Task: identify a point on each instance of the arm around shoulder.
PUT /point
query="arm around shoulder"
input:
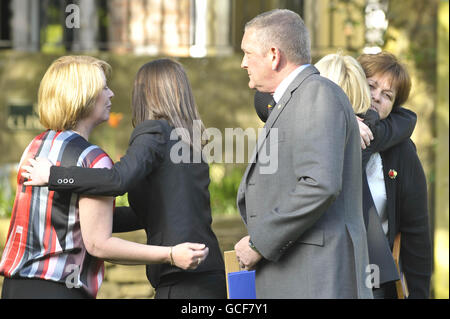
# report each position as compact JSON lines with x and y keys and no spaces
{"x":144,"y":153}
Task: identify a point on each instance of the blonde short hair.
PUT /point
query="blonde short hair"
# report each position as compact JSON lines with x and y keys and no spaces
{"x":346,"y":72}
{"x":69,"y":90}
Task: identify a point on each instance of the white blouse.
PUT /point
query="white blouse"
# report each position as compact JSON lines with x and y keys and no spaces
{"x":375,"y":178}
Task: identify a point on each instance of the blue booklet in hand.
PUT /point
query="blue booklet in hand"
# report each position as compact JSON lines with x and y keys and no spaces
{"x":241,"y":285}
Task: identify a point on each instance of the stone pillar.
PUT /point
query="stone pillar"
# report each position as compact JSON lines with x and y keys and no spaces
{"x":25,"y":25}
{"x":175,"y":27}
{"x":85,"y":37}
{"x":200,"y":29}
{"x":119,"y":41}
{"x":153,"y":26}
{"x":376,"y":25}
{"x":222,"y":27}
{"x":138,"y":11}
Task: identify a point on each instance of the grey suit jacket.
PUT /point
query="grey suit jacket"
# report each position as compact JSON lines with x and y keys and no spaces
{"x":303,"y":210}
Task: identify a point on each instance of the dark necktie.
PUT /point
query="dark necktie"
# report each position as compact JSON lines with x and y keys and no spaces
{"x":262,"y":102}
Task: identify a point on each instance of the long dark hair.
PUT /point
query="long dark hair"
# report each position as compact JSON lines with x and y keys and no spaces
{"x":162,"y":91}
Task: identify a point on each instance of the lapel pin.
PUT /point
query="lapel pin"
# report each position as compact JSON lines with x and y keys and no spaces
{"x":392,"y":174}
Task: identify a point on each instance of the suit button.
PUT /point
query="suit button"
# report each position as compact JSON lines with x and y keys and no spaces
{"x":65,"y":181}
{"x":71,"y":181}
{"x":60,"y":181}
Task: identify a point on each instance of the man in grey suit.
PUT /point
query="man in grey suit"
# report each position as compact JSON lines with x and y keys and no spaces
{"x":305,"y":222}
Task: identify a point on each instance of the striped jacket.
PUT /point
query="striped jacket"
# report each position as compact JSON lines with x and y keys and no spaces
{"x":44,"y":238}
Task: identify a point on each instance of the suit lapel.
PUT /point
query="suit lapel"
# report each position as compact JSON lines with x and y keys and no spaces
{"x":278,"y":108}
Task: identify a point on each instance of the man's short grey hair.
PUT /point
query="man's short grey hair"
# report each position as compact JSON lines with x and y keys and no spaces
{"x":285,"y":30}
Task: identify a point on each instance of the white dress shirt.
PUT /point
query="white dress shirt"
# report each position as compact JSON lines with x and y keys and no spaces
{"x":375,"y":179}
{"x":282,"y":87}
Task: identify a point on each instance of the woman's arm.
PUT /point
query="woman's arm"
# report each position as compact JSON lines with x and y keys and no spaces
{"x":144,"y":154}
{"x":96,"y":226}
{"x":397,"y":127}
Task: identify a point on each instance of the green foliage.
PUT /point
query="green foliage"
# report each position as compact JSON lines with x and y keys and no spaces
{"x":223,"y":188}
{"x":122,"y":200}
{"x":6,"y":204}
{"x":417,"y":19}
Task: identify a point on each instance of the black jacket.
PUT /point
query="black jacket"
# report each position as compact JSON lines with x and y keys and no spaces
{"x":407,"y":210}
{"x":407,"y":207}
{"x":171,"y":201}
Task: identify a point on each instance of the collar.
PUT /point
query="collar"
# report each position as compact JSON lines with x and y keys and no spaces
{"x":287,"y":81}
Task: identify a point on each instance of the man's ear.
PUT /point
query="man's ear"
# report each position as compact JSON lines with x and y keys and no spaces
{"x":275,"y":55}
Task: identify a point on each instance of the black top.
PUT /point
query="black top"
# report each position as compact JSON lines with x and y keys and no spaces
{"x":170,"y":200}
{"x":407,"y":210}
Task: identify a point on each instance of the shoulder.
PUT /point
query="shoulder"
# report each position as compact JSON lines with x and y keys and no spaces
{"x":405,"y":148}
{"x":314,"y":79}
{"x":404,"y":156}
{"x":323,"y":95}
{"x":153,"y":129}
{"x":95,"y":157}
{"x":320,"y":88}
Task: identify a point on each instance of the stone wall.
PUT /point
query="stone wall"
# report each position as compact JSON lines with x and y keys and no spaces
{"x":130,"y":282}
{"x":219,"y":85}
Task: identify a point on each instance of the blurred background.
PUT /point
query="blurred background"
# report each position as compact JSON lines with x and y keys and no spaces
{"x":205,"y":36}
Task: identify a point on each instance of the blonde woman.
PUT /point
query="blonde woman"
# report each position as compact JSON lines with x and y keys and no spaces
{"x":169,"y":198}
{"x":58,"y":240}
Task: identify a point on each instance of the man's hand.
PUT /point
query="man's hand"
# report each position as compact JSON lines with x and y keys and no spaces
{"x":246,"y":256}
{"x":38,"y":172}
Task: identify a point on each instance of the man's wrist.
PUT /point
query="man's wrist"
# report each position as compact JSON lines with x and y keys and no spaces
{"x":252,"y":246}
